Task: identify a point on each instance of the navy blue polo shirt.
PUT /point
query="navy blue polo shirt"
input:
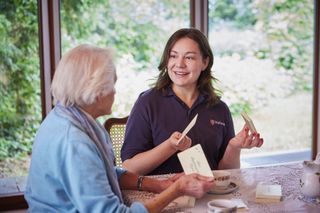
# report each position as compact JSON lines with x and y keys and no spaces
{"x":155,"y":116}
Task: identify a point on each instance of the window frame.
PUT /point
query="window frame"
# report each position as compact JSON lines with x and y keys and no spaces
{"x":316,"y":81}
{"x":49,"y":48}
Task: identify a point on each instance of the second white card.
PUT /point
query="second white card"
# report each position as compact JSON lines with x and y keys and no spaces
{"x":193,"y":160}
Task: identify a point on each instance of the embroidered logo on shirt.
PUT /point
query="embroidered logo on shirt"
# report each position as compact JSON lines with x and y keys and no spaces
{"x":214,"y":122}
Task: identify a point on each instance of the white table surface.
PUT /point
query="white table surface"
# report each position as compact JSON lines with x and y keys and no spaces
{"x":287,"y":175}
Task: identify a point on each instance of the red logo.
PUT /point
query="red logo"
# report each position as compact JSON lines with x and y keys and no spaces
{"x":214,"y":122}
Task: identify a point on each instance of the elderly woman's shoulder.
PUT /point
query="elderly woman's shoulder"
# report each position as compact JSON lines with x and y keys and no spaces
{"x":58,"y":123}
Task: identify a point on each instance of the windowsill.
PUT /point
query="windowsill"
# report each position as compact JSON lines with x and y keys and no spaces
{"x":12,"y":193}
{"x":12,"y":185}
{"x":275,"y":158}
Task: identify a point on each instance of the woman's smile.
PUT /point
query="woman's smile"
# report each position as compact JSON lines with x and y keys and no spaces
{"x":181,"y":73}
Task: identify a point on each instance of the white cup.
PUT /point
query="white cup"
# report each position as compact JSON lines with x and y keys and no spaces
{"x":222,"y":178}
{"x":221,"y":206}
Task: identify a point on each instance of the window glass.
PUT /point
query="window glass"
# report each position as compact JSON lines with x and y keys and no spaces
{"x":137,"y":30}
{"x":20,"y":108}
{"x":263,"y":60}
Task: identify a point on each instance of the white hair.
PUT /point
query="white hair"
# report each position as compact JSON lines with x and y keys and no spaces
{"x":83,"y":74}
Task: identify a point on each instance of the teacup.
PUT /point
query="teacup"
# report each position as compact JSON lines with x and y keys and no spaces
{"x":310,"y":184}
{"x":221,"y":206}
{"x":221,"y":178}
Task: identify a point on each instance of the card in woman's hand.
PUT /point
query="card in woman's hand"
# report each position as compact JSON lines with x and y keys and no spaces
{"x":249,"y":122}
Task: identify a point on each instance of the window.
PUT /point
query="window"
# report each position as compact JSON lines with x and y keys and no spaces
{"x":20,"y":108}
{"x":262,"y":58}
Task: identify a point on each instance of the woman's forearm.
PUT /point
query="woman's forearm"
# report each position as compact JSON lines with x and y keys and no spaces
{"x":143,"y":163}
{"x":129,"y":181}
{"x":230,"y":159}
{"x":163,"y":199}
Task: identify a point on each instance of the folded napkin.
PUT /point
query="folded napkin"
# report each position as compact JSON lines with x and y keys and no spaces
{"x":241,"y":206}
{"x":183,"y":202}
{"x":268,"y":193}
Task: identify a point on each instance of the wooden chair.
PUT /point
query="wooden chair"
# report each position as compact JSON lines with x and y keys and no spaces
{"x":116,"y":128}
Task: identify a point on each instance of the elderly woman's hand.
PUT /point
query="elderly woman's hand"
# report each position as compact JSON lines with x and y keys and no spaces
{"x":245,"y":140}
{"x":194,"y":185}
{"x":169,"y":181}
{"x":184,"y":144}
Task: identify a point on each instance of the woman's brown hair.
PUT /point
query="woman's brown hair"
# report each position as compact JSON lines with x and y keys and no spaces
{"x":205,"y":79}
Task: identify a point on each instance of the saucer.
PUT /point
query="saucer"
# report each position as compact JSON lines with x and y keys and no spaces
{"x":218,"y":191}
{"x":222,"y":206}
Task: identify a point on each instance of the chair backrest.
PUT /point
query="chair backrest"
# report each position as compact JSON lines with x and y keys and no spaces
{"x":116,"y":128}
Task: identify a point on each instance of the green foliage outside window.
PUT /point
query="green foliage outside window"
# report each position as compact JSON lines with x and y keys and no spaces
{"x":232,"y":12}
{"x":287,"y":29}
{"x":19,"y":77}
{"x":290,"y":32}
{"x":131,"y":27}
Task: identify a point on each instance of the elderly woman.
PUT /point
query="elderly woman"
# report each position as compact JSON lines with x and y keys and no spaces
{"x":72,"y":160}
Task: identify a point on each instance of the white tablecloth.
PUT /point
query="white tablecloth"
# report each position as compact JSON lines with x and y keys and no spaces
{"x":287,"y":175}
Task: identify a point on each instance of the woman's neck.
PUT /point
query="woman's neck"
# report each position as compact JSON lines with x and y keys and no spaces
{"x":187,"y":95}
{"x":91,"y":110}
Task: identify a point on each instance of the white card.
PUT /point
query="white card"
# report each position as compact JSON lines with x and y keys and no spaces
{"x":249,"y":122}
{"x":193,"y":160}
{"x":187,"y":129}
